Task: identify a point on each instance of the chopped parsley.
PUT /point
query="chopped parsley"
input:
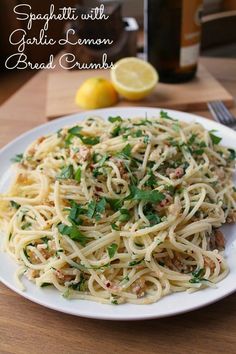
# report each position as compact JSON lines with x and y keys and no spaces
{"x":165,"y":115}
{"x":66,"y":173}
{"x":114,"y":227}
{"x":138,"y":133}
{"x":17,"y":158}
{"x":44,"y":285}
{"x":176,"y":127}
{"x":197,"y":276}
{"x":112,"y":250}
{"x":143,"y":122}
{"x":124,"y":215}
{"x":76,"y":131}
{"x":95,"y":209}
{"x":192,"y":139}
{"x":75,"y":212}
{"x":146,"y":195}
{"x":26,"y":226}
{"x":114,"y":301}
{"x":81,"y":285}
{"x":73,"y":232}
{"x":78,"y":174}
{"x":116,"y":131}
{"x":146,"y":139}
{"x":125,"y":153}
{"x":14,"y":204}
{"x":152,"y":181}
{"x":89,"y":140}
{"x":151,"y":214}
{"x":198,"y":151}
{"x":232,"y":155}
{"x":170,"y":189}
{"x":215,"y":139}
{"x":115,"y":204}
{"x":134,"y":263}
{"x":103,"y":160}
{"x":115,"y":119}
{"x":125,"y":279}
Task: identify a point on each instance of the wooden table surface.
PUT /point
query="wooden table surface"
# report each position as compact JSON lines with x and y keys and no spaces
{"x":27,"y":328}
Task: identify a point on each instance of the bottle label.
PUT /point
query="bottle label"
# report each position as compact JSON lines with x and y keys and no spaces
{"x":191,"y":32}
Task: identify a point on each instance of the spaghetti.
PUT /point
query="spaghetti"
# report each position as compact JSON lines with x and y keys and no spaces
{"x":124,"y":210}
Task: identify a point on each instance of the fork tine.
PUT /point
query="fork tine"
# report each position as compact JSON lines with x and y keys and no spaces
{"x":220,"y":113}
{"x":215,"y":113}
{"x":229,"y":118}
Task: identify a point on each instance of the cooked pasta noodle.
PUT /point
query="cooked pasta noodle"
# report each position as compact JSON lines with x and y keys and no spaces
{"x":124,"y":210}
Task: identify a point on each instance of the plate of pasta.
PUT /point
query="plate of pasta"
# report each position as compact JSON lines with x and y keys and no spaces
{"x":121,"y":213}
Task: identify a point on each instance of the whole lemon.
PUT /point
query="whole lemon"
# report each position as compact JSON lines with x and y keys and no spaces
{"x":96,"y":92}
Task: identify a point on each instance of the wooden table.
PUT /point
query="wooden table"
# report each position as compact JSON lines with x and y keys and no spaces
{"x":27,"y":328}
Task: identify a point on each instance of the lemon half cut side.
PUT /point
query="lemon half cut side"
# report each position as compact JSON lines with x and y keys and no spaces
{"x":134,"y":78}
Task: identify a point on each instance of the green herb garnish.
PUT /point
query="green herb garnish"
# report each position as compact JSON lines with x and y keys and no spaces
{"x":116,"y":131}
{"x":152,"y":181}
{"x":43,"y":285}
{"x":176,"y":127}
{"x":215,"y":139}
{"x":170,"y":189}
{"x":124,"y":215}
{"x":125,"y":153}
{"x":192,"y":139}
{"x":103,"y":160}
{"x":112,"y":250}
{"x":75,"y":130}
{"x":138,"y":133}
{"x":197,"y":276}
{"x":26,"y":226}
{"x":78,"y":174}
{"x":153,"y":218}
{"x":114,"y":227}
{"x":14,"y":204}
{"x":232,"y":155}
{"x":146,"y":139}
{"x":67,"y":173}
{"x":165,"y":115}
{"x":17,"y":158}
{"x":75,"y":212}
{"x":146,"y":195}
{"x":114,"y":301}
{"x":134,"y":263}
{"x":74,"y":233}
{"x":198,"y":151}
{"x":115,"y":204}
{"x":81,"y":285}
{"x":115,"y":119}
{"x":95,"y":209}
{"x":89,"y":140}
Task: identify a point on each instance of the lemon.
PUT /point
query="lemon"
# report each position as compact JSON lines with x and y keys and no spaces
{"x":96,"y":92}
{"x":133,"y":78}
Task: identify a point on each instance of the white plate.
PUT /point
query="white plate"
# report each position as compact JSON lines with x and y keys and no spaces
{"x":170,"y":305}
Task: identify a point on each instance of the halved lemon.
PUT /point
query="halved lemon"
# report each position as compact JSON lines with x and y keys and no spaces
{"x":96,"y":92}
{"x":133,"y":78}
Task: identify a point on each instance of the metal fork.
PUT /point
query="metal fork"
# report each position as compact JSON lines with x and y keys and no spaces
{"x":221,"y":114}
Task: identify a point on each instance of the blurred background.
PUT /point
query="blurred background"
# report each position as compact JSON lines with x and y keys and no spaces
{"x":218,"y":33}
